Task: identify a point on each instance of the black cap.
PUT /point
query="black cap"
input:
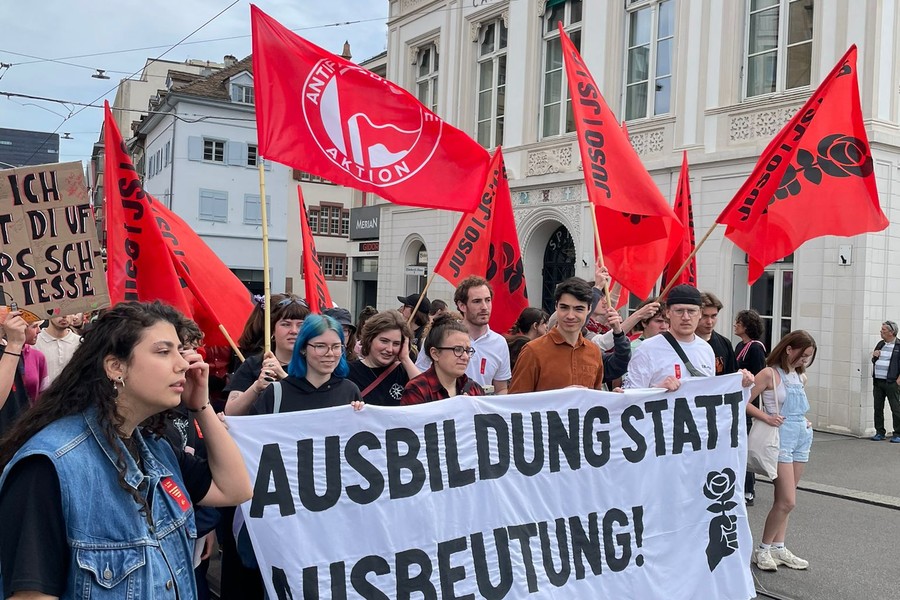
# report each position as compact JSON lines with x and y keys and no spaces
{"x":342,"y":316}
{"x":412,"y":299}
{"x":684,"y":294}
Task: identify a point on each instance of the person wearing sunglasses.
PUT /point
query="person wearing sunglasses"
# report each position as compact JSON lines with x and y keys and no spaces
{"x":450,"y":349}
{"x":317,"y":373}
{"x":258,"y":371}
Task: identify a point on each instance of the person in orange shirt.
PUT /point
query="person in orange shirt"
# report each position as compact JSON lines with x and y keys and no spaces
{"x":563,"y":357}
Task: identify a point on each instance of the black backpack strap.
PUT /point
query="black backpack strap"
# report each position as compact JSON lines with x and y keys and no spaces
{"x":680,"y":351}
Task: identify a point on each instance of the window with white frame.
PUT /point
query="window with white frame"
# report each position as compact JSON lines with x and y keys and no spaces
{"x":213,"y":150}
{"x":214,"y":206}
{"x":648,"y":69}
{"x":427,"y":76}
{"x":779,"y":45}
{"x":313,"y":219}
{"x":168,"y":148}
{"x":253,"y":210}
{"x":491,"y":83}
{"x":242,"y":93}
{"x":556,"y":102}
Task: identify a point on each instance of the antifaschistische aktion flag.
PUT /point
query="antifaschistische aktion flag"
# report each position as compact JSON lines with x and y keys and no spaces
{"x":317,"y":295}
{"x":485,"y":243}
{"x":152,"y":254}
{"x":325,"y":115}
{"x":815,"y":178}
{"x":685,"y":212}
{"x":638,"y":229}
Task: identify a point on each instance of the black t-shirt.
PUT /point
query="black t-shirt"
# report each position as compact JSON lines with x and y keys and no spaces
{"x":388,"y":391}
{"x":16,"y":401}
{"x":754,"y":360}
{"x":722,"y":348}
{"x":34,"y":550}
{"x":299,"y":394}
{"x":245,"y":375}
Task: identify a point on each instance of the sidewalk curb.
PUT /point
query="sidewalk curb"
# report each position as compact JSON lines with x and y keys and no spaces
{"x":844,"y":493}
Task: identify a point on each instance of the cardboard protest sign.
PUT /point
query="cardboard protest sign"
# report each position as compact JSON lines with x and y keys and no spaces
{"x":50,"y":258}
{"x":570,"y":493}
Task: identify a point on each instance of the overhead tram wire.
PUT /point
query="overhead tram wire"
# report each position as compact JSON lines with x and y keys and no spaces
{"x":100,"y":97}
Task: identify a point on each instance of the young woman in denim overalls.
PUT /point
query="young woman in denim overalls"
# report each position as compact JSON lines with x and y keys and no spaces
{"x":781,"y":386}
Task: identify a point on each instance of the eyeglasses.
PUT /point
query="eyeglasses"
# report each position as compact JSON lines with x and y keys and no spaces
{"x":691,"y":312}
{"x":323,"y":349}
{"x":458,"y":351}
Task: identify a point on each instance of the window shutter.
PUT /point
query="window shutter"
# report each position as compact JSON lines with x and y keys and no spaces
{"x":195,"y":148}
{"x":236,"y":153}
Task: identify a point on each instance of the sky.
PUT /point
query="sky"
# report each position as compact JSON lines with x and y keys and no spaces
{"x":119,"y":36}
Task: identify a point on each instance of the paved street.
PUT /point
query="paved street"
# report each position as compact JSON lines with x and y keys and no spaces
{"x":851,"y":544}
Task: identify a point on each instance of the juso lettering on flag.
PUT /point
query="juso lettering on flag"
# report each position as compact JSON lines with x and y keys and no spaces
{"x":317,"y":295}
{"x":684,"y":210}
{"x":485,"y":243}
{"x":815,"y":178}
{"x":323,"y":114}
{"x":152,"y":254}
{"x":638,"y":228}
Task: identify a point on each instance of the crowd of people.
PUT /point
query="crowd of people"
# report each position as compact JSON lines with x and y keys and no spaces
{"x":128,"y":396}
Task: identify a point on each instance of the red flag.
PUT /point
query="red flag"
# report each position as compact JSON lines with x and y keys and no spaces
{"x":317,"y":295}
{"x":684,"y":210}
{"x":153,"y":255}
{"x":321,"y":113}
{"x":485,"y":243}
{"x":638,"y":229}
{"x":815,"y":178}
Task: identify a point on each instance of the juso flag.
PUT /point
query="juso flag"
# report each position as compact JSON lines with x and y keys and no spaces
{"x":323,"y":114}
{"x":485,"y":243}
{"x":638,"y":229}
{"x":317,"y":295}
{"x":152,"y":254}
{"x":684,"y":210}
{"x":815,"y":178}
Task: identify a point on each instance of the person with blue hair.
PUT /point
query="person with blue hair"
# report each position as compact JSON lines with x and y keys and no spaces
{"x":317,"y":373}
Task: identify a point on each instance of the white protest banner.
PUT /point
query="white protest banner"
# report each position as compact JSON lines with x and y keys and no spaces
{"x":565,"y":494}
{"x":50,"y":263}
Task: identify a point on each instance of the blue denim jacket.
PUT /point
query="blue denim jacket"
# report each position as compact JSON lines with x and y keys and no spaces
{"x":115,"y":553}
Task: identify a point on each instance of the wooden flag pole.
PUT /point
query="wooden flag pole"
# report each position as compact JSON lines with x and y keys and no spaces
{"x":267,"y":286}
{"x":600,"y":252}
{"x":684,"y":265}
{"x":421,"y":295}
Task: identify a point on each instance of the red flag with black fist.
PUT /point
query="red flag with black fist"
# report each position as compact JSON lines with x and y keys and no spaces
{"x":323,"y":114}
{"x":317,"y":295}
{"x":815,"y":178}
{"x":684,"y":210}
{"x":152,"y":254}
{"x":638,"y":229}
{"x":485,"y":243}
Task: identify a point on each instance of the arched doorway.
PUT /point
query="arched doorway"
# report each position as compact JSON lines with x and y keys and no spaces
{"x":559,"y":264}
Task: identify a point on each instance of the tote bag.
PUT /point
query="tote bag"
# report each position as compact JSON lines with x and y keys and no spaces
{"x":763,"y":443}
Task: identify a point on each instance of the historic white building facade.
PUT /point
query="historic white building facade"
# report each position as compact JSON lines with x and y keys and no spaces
{"x":717,"y":79}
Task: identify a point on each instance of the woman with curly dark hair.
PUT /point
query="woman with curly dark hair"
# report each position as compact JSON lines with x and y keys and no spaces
{"x":751,"y":355}
{"x":90,"y":505}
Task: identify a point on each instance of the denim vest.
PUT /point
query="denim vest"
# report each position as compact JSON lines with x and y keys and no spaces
{"x":115,"y":553}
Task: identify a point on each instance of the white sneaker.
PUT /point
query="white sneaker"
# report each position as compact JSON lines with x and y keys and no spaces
{"x":783,"y":556}
{"x":763,"y":560}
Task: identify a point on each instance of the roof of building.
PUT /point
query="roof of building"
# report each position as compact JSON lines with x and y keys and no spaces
{"x":215,"y":85}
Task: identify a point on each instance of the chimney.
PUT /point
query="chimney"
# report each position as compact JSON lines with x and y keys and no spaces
{"x":346,"y":52}
{"x":229,"y":60}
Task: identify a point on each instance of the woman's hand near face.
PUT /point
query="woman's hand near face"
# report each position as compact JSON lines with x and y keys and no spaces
{"x":196,"y":386}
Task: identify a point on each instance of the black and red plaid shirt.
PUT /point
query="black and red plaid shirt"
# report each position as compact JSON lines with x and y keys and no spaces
{"x":428,"y":388}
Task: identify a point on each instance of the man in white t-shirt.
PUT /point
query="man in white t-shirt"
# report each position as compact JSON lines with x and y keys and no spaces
{"x":656,"y":363}
{"x":58,"y":343}
{"x":490,"y":363}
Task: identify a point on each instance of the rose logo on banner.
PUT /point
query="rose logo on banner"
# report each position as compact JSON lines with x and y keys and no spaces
{"x":370,"y":151}
{"x":513,"y":270}
{"x":723,"y":535}
{"x":839,"y":155}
